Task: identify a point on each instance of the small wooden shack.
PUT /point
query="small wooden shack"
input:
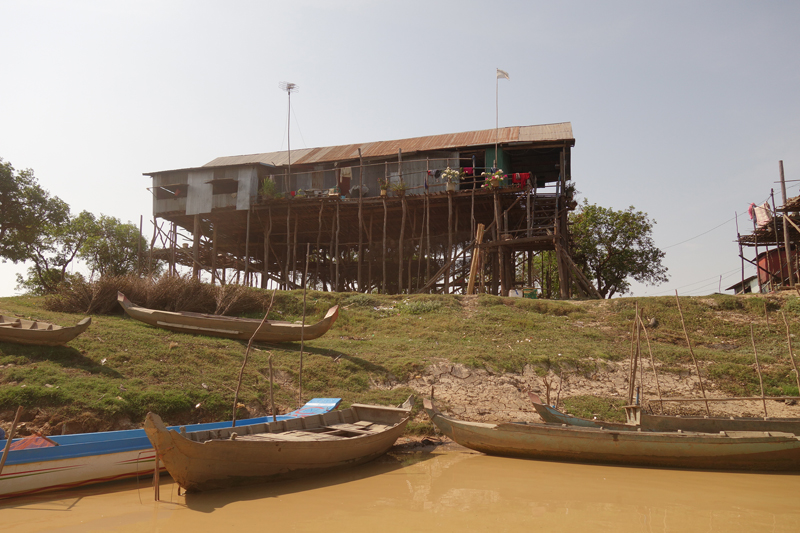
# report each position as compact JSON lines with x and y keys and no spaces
{"x":379,"y":216}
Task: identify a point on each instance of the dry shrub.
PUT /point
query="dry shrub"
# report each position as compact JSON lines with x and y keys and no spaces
{"x":167,"y":293}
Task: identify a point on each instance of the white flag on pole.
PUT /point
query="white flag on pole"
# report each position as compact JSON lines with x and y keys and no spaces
{"x":502,"y":74}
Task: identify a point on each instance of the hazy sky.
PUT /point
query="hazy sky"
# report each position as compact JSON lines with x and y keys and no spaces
{"x":681,"y":109}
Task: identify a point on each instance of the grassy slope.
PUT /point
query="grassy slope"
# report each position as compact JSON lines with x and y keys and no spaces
{"x":120,"y":368}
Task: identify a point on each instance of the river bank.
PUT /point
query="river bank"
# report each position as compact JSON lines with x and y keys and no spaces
{"x":478,"y":355}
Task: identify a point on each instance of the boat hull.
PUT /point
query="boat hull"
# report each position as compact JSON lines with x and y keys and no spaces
{"x":649,"y":422}
{"x":223,"y":462}
{"x":89,"y":458}
{"x":230,"y":327}
{"x":746,"y":451}
{"x":39,"y":333}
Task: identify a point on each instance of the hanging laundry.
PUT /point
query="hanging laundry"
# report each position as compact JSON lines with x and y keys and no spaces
{"x":763,"y":214}
{"x":468,"y":171}
{"x":751,"y":211}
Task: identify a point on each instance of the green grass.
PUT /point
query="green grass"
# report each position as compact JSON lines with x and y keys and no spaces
{"x":123,"y":368}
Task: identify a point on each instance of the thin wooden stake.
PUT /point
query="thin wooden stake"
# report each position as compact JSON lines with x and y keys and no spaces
{"x":246,"y":354}
{"x":271,"y":392}
{"x":303,"y":329}
{"x":10,"y":438}
{"x":758,"y":370}
{"x":697,"y":368}
{"x":652,"y":362}
{"x":791,"y":354}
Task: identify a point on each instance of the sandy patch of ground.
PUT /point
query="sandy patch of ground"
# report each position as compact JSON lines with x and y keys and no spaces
{"x":479,"y":395}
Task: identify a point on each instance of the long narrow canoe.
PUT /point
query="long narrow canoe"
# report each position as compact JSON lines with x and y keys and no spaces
{"x":753,"y":451}
{"x":21,"y":331}
{"x":86,"y":458}
{"x":230,"y":327}
{"x":205,"y":460}
{"x":648,"y":422}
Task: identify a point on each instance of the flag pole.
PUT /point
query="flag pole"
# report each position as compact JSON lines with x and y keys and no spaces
{"x":496,"y":115}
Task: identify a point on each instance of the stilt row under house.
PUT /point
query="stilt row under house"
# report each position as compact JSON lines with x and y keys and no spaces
{"x":381,"y":217}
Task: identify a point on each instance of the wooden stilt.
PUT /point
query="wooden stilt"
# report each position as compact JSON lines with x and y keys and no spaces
{"x":196,"y":248}
{"x":214,"y":254}
{"x":400,"y":246}
{"x":247,"y":248}
{"x":319,"y":243}
{"x":267,"y":244}
{"x":288,"y":240}
{"x":385,"y":219}
{"x":360,"y":217}
{"x":338,"y":227}
{"x":449,"y":238}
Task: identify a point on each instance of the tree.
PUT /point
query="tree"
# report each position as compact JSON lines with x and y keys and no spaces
{"x":614,"y":246}
{"x":112,"y":248}
{"x":54,"y":251}
{"x":27,"y":212}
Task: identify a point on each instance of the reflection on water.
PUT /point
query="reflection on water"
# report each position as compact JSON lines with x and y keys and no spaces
{"x":442,"y":491}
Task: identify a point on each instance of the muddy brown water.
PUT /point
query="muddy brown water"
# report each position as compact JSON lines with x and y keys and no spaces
{"x":449,"y":489}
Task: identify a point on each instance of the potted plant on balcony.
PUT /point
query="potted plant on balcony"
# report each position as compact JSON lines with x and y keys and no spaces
{"x":384,"y":185}
{"x":452,"y":177}
{"x":399,"y":188}
{"x":493,"y":180}
{"x":268,"y":190}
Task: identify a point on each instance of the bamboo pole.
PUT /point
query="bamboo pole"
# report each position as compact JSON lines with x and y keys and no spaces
{"x":729,"y":399}
{"x":271,"y":391}
{"x":758,"y":370}
{"x":246,"y":354}
{"x":691,"y":351}
{"x":634,"y":356}
{"x":302,"y":329}
{"x":791,"y":353}
{"x":10,"y":438}
{"x":473,"y":271}
{"x":786,"y":243}
{"x":652,"y":362}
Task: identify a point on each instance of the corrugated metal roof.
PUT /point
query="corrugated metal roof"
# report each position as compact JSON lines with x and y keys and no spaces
{"x":309,"y":156}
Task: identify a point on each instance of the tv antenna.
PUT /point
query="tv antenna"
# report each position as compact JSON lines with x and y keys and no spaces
{"x":290,"y":88}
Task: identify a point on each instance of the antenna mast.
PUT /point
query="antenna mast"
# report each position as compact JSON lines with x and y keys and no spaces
{"x":290,"y":88}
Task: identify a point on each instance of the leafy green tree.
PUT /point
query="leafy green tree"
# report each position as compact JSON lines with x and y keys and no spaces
{"x":27,"y":213}
{"x":53,"y":252}
{"x":112,"y":248}
{"x":613,"y":247}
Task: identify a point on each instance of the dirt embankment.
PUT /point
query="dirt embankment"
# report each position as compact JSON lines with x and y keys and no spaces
{"x":482,"y":395}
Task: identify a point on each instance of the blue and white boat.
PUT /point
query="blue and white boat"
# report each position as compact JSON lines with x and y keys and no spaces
{"x":82,"y":459}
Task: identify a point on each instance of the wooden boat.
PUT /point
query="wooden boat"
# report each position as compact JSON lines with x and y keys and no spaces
{"x":21,"y":331}
{"x":82,"y":459}
{"x":755,"y":451}
{"x":204,"y":460}
{"x":638,"y":419}
{"x":230,"y":327}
